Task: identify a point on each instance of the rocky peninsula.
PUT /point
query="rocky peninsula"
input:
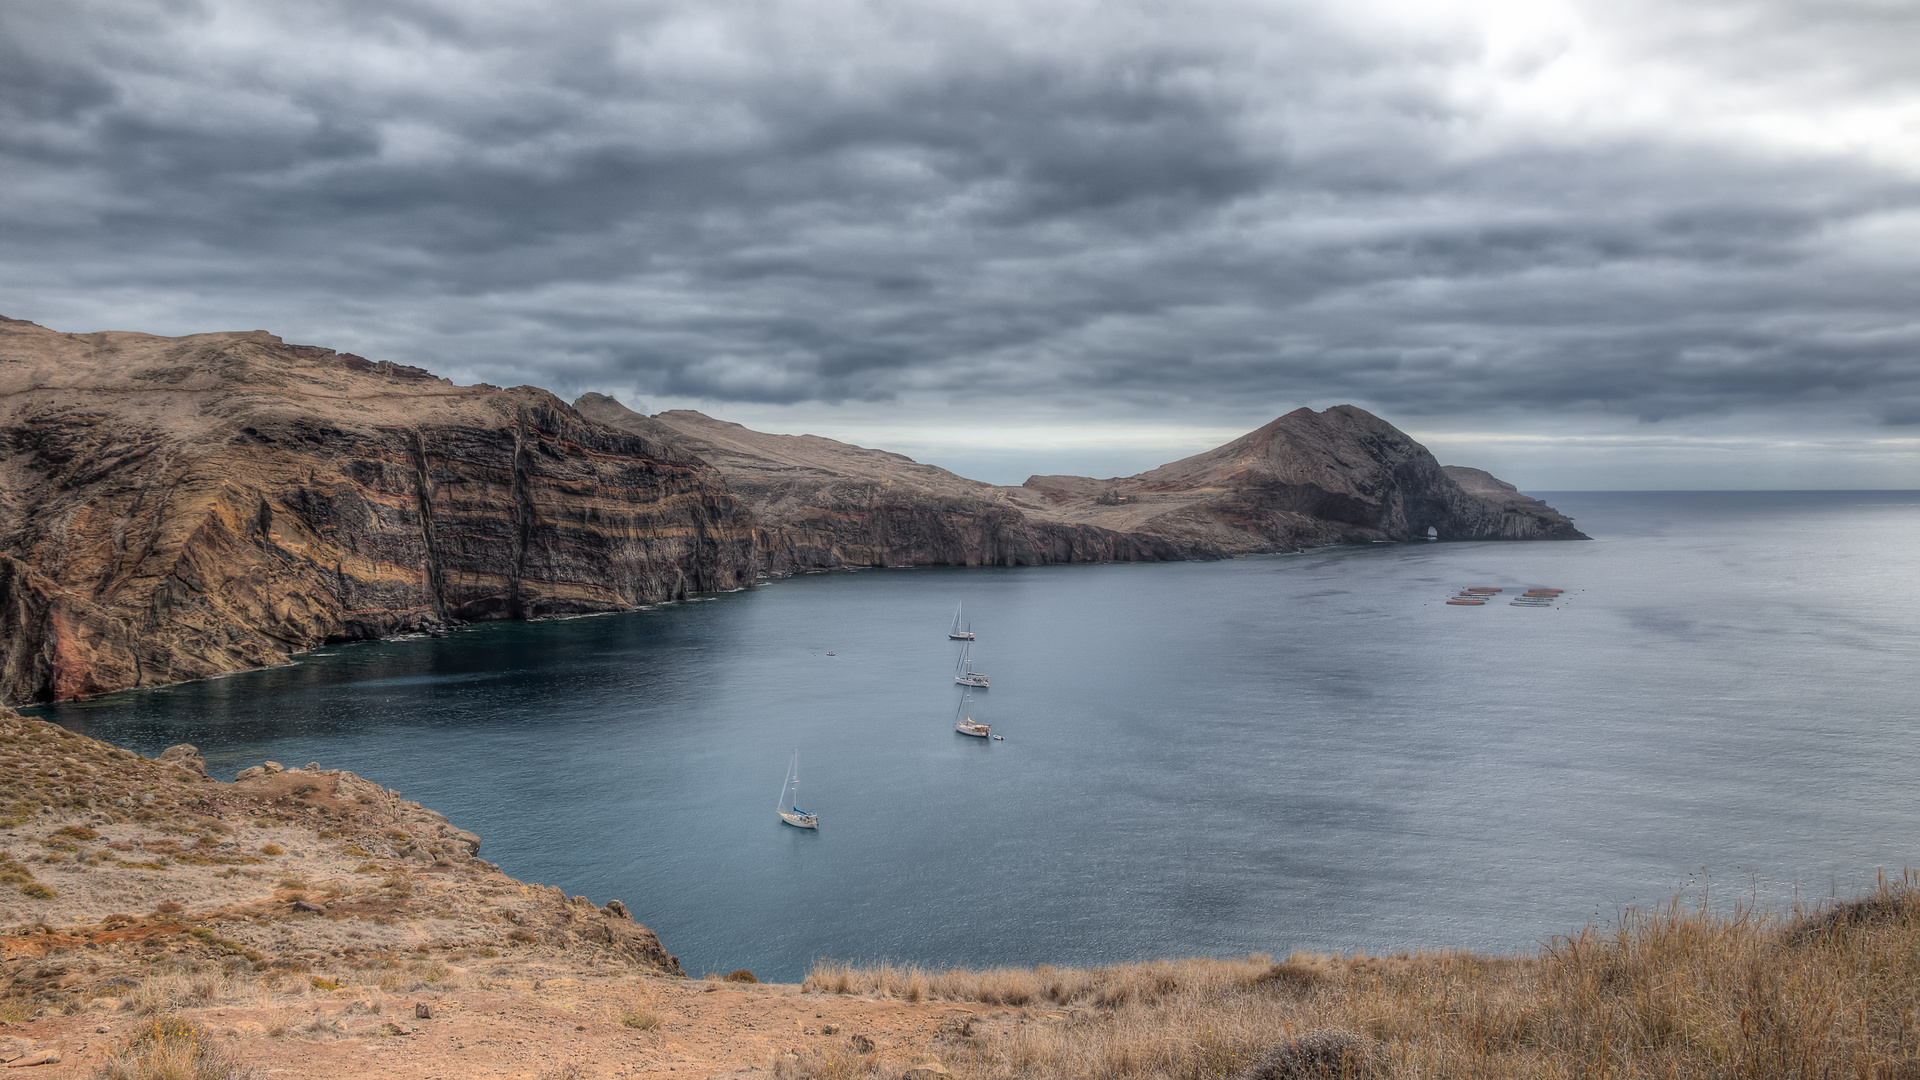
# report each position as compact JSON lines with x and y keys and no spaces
{"x":177,"y":508}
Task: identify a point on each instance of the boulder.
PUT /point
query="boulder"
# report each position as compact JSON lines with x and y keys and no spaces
{"x":186,"y":757}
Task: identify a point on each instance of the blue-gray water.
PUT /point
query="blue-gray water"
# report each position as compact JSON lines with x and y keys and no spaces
{"x":1307,"y":751}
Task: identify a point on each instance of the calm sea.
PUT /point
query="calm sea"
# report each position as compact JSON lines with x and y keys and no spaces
{"x":1265,"y":754}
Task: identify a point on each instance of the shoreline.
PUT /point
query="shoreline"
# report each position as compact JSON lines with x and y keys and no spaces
{"x":306,"y":922}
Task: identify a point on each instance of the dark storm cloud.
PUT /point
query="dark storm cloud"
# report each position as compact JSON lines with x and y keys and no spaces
{"x":1177,"y":206}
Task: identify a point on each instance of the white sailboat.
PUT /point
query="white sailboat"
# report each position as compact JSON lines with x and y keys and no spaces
{"x":960,"y":631}
{"x":789,"y":805}
{"x":963,"y":672}
{"x":963,"y":720}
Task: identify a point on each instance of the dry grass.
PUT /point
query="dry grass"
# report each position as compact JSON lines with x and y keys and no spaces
{"x":1831,"y":993}
{"x":642,"y":1011}
{"x":168,"y":1048}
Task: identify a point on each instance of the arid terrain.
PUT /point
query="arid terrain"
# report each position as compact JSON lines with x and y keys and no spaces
{"x":306,"y":922}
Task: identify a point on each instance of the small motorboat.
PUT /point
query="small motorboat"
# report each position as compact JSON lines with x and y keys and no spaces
{"x":1460,"y":602}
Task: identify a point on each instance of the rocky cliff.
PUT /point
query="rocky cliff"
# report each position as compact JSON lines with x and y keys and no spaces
{"x":1306,"y":479}
{"x":174,"y":508}
{"x":820,"y":503}
{"x":1309,"y":478}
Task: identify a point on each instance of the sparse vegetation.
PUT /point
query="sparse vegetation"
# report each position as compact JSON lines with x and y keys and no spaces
{"x":1674,"y":992}
{"x":168,"y":1048}
{"x":642,"y":1012}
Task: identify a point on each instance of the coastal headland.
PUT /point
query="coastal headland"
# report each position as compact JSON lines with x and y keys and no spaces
{"x":306,"y":922}
{"x":178,"y":508}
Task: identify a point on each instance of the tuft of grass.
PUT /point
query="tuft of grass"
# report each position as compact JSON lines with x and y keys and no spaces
{"x":642,"y":1012}
{"x":13,"y":872}
{"x":741,"y":975}
{"x":271,"y":849}
{"x":169,"y":1048}
{"x":1732,"y":994}
{"x":37,"y":891}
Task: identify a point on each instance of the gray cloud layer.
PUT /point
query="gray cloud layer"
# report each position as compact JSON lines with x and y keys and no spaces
{"x":1640,"y":211}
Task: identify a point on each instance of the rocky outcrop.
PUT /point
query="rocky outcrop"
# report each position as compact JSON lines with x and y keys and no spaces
{"x":1307,"y":479}
{"x":821,"y":503}
{"x":278,"y":870}
{"x":1501,"y":512}
{"x":174,"y":508}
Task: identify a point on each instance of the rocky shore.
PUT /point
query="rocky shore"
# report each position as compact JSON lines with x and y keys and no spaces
{"x":178,"y":508}
{"x":317,"y":924}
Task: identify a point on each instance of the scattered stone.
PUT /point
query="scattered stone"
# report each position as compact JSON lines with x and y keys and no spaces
{"x":423,"y":1011}
{"x":303,"y":905}
{"x":274,"y":767}
{"x":861,"y":1043}
{"x":930,"y":1071}
{"x":250,"y":773}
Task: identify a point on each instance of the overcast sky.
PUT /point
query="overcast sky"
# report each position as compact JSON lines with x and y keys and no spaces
{"x":1617,"y":243}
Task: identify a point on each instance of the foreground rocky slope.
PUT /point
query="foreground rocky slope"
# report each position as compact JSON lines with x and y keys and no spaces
{"x":311,"y":923}
{"x":1307,"y":479}
{"x":173,"y":508}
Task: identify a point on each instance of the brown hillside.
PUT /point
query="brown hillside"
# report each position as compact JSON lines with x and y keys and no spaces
{"x":173,"y":508}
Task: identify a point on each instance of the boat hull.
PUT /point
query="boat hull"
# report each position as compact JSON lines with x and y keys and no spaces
{"x":800,"y":821}
{"x":978,"y":731}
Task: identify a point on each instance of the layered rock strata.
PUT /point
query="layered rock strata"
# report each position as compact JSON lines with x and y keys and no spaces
{"x":820,"y":503}
{"x":174,"y":508}
{"x":1307,"y":479}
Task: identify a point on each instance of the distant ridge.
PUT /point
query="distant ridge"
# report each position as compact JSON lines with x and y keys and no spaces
{"x":175,"y":508}
{"x":1307,"y":479}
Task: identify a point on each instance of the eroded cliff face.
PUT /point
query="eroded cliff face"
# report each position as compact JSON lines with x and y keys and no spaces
{"x":175,"y":508}
{"x":821,"y":503}
{"x":1307,"y":479}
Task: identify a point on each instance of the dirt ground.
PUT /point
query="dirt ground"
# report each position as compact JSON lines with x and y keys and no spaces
{"x":302,"y":915}
{"x":568,"y":1028}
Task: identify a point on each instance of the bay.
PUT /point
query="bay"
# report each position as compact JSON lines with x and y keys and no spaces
{"x":1306,"y":751}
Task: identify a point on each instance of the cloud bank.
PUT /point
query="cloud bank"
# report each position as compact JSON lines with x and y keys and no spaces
{"x":1531,"y":218}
